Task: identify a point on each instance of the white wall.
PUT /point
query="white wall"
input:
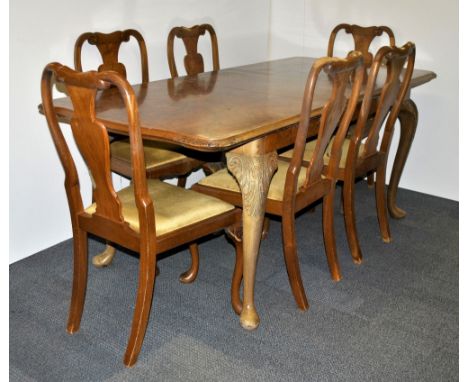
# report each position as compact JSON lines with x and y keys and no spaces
{"x":302,"y":27}
{"x":45,"y":31}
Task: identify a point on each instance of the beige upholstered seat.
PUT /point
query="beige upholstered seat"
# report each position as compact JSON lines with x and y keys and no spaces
{"x":225,"y":181}
{"x":156,"y":153}
{"x":175,"y":207}
{"x":310,"y":147}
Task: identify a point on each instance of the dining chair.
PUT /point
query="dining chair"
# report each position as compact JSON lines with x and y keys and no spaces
{"x":194,"y":64}
{"x":162,"y":160}
{"x":193,"y":60}
{"x":149,"y":216}
{"x":367,"y":151}
{"x":363,"y":38}
{"x":297,"y":184}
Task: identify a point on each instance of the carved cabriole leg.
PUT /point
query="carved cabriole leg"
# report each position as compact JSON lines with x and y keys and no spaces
{"x":105,"y":257}
{"x":408,"y":117}
{"x":253,"y":170}
{"x":191,"y":274}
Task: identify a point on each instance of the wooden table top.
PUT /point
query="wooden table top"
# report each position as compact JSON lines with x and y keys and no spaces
{"x":216,"y":111}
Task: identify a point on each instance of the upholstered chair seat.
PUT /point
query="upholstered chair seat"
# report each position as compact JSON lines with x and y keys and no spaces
{"x":310,"y":147}
{"x":225,"y":181}
{"x":174,"y":207}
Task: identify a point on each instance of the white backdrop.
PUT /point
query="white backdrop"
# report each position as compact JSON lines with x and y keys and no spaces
{"x":248,"y":31}
{"x":302,"y":27}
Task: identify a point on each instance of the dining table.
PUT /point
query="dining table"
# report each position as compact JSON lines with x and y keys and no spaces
{"x":249,"y":112}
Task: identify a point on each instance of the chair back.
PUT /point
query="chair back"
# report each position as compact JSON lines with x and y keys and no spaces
{"x":363,"y":37}
{"x":193,"y":61}
{"x":394,"y":81}
{"x":336,"y":74}
{"x":108,"y":45}
{"x":92,"y":140}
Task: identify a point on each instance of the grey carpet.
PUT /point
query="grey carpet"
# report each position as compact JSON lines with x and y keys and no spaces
{"x":393,"y":318}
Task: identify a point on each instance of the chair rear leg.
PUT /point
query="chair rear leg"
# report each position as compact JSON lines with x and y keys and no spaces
{"x":370,"y":179}
{"x":350,"y":221}
{"x":190,"y":275}
{"x":80,"y":278}
{"x":381,"y":202}
{"x":292,"y":262}
{"x":266,"y":227}
{"x":181,"y":181}
{"x":142,"y":309}
{"x":329,"y":236}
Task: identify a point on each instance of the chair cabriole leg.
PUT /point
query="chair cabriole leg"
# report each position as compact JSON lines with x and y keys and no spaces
{"x":190,"y":275}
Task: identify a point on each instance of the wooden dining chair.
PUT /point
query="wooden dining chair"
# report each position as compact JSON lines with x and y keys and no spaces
{"x":296,"y":184}
{"x":162,"y":160}
{"x":363,"y":38}
{"x":149,"y":216}
{"x":193,"y":60}
{"x":362,"y":152}
{"x":194,"y":64}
